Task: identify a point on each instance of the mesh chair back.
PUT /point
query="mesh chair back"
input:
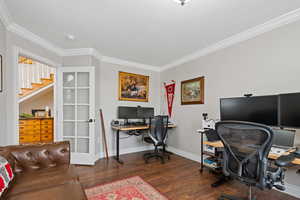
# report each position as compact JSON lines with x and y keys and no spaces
{"x":247,"y":146}
{"x":159,"y":128}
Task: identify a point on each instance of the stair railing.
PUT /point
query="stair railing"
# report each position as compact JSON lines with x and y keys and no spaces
{"x":33,"y":73}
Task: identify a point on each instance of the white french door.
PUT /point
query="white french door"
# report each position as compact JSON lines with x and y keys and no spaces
{"x":76,"y":114}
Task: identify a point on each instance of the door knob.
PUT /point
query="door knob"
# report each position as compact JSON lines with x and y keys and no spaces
{"x":91,"y":120}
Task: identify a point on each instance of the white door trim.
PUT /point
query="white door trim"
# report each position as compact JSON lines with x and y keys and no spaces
{"x":17,"y":51}
{"x":78,"y":158}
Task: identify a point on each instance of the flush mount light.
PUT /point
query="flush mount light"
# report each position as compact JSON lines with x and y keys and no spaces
{"x":70,"y":37}
{"x":182,"y":2}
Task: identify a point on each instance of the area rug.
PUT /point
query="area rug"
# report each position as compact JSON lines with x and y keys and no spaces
{"x":134,"y":188}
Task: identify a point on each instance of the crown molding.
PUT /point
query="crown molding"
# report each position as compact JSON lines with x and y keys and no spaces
{"x":83,"y":52}
{"x":240,"y":37}
{"x":4,"y":14}
{"x":19,"y":30}
{"x":118,"y":61}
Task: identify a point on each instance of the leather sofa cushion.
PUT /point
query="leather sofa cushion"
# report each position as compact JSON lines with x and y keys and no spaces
{"x":28,"y":158}
{"x":69,"y":191}
{"x":42,"y":179}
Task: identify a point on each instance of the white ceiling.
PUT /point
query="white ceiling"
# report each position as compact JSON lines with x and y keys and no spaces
{"x":153,"y":32}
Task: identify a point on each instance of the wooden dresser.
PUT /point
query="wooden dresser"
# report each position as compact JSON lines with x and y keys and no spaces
{"x":36,"y":130}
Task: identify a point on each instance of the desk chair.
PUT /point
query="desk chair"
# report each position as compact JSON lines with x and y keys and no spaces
{"x":158,"y":127}
{"x":245,"y":157}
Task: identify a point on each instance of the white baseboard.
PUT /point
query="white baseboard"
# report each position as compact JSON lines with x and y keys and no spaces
{"x":134,"y":150}
{"x":293,"y":190}
{"x":185,"y":154}
{"x":124,"y":151}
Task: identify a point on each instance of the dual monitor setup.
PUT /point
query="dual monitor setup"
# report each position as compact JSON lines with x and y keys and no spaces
{"x":281,"y":110}
{"x":127,"y":113}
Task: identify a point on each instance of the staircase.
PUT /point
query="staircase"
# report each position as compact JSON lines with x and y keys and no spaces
{"x":37,"y":86}
{"x":34,"y":77}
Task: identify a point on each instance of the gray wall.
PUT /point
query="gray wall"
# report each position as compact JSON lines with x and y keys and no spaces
{"x":3,"y":94}
{"x":267,"y":64}
{"x":109,"y":101}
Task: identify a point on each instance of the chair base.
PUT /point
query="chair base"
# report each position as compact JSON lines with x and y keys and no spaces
{"x":157,"y":155}
{"x":229,"y":197}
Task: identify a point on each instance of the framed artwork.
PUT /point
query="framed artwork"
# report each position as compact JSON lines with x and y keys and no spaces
{"x":133,"y":87}
{"x":39,"y":113}
{"x":192,"y":91}
{"x":1,"y":74}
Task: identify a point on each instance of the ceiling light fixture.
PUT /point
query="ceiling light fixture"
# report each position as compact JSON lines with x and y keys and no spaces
{"x":182,"y":2}
{"x":70,"y":37}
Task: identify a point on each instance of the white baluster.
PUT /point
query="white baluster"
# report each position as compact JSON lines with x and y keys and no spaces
{"x":20,"y":78}
{"x":23,"y":76}
{"x":28,"y":76}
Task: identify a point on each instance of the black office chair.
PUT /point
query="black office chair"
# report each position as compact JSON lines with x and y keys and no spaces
{"x":245,"y":156}
{"x":157,"y":136}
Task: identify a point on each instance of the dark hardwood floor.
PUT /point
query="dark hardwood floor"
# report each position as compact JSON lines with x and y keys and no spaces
{"x":177,"y":179}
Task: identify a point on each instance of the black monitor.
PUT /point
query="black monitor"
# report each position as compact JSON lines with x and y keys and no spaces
{"x":125,"y":112}
{"x":289,"y":110}
{"x":145,"y":113}
{"x":259,"y":109}
{"x":283,"y":138}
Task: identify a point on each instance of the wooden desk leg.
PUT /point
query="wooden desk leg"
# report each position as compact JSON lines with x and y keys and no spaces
{"x":201,"y":167}
{"x":117,"y":157}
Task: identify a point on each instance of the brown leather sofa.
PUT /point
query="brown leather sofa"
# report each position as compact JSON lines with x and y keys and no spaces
{"x":42,"y":172}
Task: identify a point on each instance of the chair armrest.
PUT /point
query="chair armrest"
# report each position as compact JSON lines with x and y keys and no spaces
{"x":284,"y":161}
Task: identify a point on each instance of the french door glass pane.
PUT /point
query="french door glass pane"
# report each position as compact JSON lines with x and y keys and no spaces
{"x":83,"y":145}
{"x":69,"y":112}
{"x":69,"y":79}
{"x":83,"y":129}
{"x":69,"y":96}
{"x":83,"y":96}
{"x":83,"y":113}
{"x":83,"y":79}
{"x":69,"y":129}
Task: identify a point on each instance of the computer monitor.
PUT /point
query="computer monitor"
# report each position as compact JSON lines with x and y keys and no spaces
{"x":125,"y":112}
{"x":145,"y":113}
{"x":289,"y":110}
{"x":283,"y":138}
{"x":259,"y":109}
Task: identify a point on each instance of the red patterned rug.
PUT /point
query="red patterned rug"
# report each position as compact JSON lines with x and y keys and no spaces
{"x":134,"y":188}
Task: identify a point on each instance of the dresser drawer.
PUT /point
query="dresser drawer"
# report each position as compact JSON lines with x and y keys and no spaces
{"x":29,"y":122}
{"x":46,"y":127}
{"x":30,"y":128}
{"x":47,"y":122}
{"x":29,"y":138}
{"x":46,"y":138}
{"x":46,"y":132}
{"x":29,"y":132}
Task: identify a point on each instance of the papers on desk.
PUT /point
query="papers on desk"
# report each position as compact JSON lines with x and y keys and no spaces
{"x":279,"y":151}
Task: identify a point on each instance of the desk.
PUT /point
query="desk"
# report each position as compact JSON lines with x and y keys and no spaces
{"x":125,"y":129}
{"x":219,"y":144}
